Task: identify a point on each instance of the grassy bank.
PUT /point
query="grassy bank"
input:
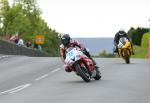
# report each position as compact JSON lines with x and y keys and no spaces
{"x":140,"y":52}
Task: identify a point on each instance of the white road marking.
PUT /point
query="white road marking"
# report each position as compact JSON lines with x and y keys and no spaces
{"x":42,"y":77}
{"x":4,"y":56}
{"x":55,"y":70}
{"x":19,"y":88}
{"x":16,"y":89}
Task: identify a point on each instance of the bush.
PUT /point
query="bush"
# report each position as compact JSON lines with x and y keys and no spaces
{"x":105,"y":54}
{"x":145,"y":40}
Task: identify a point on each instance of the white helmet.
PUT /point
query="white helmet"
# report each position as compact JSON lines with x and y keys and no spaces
{"x":121,"y":31}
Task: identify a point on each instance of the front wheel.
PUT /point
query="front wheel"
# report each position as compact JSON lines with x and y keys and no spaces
{"x":127,"y":58}
{"x":83,"y":72}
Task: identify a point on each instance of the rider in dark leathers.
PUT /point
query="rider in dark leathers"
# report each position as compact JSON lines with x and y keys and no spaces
{"x":118,"y":35}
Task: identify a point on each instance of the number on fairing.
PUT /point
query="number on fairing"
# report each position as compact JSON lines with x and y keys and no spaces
{"x":71,"y":54}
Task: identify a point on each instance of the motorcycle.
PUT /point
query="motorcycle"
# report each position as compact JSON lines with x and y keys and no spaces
{"x":124,"y":49}
{"x":81,"y":64}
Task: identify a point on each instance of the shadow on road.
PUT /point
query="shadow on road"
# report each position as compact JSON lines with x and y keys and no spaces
{"x":81,"y":81}
{"x":125,"y":63}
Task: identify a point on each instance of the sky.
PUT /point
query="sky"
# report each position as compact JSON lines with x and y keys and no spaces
{"x":95,"y":18}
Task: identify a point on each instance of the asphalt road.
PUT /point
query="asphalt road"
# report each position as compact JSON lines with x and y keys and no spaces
{"x":43,"y":80}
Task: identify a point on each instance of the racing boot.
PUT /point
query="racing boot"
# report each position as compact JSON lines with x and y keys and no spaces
{"x":97,"y":69}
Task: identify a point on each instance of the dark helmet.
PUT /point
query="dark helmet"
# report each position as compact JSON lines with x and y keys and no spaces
{"x":65,"y":39}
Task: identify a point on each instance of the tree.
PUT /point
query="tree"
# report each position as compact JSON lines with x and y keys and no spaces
{"x":105,"y":54}
{"x":4,"y":11}
{"x":25,"y":16}
{"x":137,"y":34}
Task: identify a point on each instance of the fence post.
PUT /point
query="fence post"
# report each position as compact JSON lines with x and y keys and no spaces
{"x":149,"y":48}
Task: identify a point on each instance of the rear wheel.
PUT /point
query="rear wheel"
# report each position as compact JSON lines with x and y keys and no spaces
{"x":83,"y":72}
{"x":98,"y":75}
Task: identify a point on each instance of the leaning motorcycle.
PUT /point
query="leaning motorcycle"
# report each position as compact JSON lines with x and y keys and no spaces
{"x":124,"y":49}
{"x":81,"y":64}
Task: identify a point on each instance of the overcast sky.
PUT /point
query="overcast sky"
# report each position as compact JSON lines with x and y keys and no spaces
{"x":95,"y":18}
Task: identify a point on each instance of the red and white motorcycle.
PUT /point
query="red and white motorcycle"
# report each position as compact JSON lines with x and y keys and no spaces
{"x":81,"y":64}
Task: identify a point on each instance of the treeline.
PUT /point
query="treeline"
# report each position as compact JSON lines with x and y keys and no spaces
{"x":24,"y":16}
{"x":136,"y":35}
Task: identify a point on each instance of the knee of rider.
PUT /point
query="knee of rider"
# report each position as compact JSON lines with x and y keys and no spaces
{"x":67,"y":67}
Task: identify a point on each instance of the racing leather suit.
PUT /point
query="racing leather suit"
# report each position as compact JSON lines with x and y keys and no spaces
{"x":116,"y":40}
{"x":73,"y":43}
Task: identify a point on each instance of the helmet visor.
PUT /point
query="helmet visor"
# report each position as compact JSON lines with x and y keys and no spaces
{"x":65,"y":41}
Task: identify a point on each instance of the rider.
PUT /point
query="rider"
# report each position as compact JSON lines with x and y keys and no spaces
{"x":67,"y":42}
{"x":118,"y":35}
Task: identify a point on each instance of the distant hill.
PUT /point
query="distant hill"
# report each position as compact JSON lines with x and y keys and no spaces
{"x":96,"y":45}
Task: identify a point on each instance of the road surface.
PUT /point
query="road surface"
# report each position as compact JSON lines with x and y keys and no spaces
{"x":43,"y":80}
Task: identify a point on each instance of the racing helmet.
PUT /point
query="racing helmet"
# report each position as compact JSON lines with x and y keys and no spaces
{"x":121,"y":31}
{"x":65,"y":39}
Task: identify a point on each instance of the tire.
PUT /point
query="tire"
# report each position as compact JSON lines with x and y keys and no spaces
{"x":83,"y":72}
{"x":127,"y":59}
{"x":98,"y":75}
